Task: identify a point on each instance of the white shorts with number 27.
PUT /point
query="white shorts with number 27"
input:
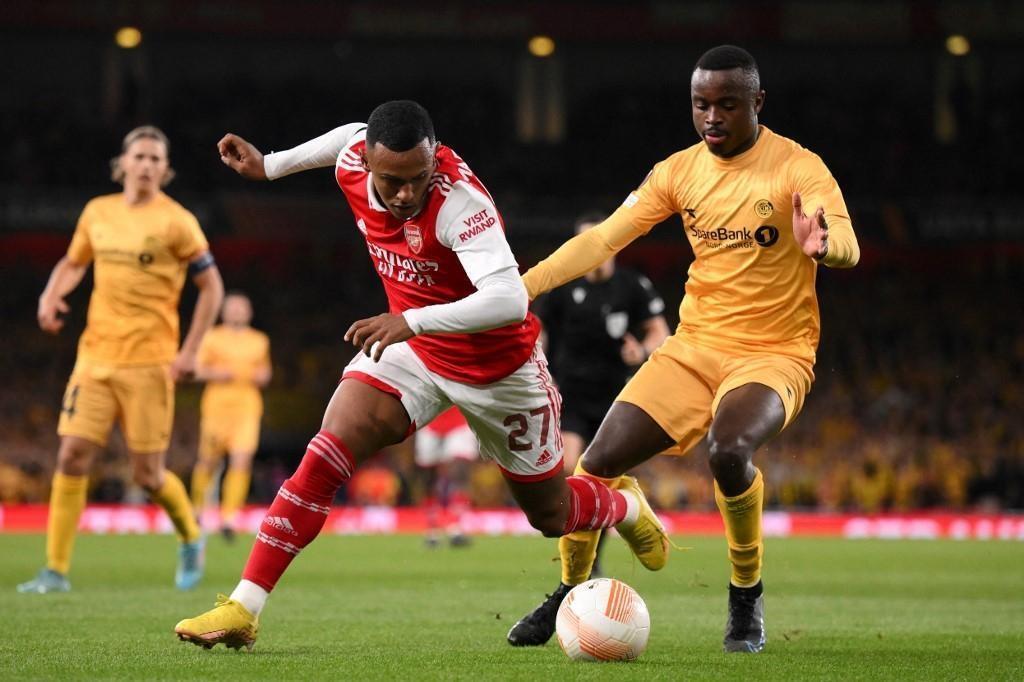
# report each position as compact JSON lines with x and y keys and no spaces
{"x":516,"y":419}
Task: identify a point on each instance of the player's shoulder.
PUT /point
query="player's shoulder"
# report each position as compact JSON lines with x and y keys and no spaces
{"x":356,"y":143}
{"x":684,"y":156}
{"x":104,"y":201}
{"x":788,"y":148}
{"x":174,"y":210}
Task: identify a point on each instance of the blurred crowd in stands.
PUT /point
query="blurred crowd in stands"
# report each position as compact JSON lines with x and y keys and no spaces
{"x":919,"y":395}
{"x":917,"y":402}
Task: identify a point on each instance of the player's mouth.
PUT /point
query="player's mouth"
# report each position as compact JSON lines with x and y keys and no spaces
{"x":715,"y":137}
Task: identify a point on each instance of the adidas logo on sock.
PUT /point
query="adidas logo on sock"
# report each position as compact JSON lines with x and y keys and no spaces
{"x":280,"y":523}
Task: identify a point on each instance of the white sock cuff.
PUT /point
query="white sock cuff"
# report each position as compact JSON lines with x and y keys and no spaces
{"x":251,"y":596}
{"x":632,"y":507}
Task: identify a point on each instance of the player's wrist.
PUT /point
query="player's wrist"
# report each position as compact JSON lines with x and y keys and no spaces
{"x":822,"y":253}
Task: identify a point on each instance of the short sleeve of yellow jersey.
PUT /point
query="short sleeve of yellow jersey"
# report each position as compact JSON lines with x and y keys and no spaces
{"x":809,"y":176}
{"x":187,"y":238}
{"x":80,"y":250}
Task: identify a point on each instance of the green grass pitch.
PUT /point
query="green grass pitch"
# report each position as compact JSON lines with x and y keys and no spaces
{"x":386,"y":608}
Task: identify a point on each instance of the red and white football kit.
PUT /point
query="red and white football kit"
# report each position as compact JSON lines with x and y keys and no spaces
{"x":439,"y":269}
{"x":450,"y":272}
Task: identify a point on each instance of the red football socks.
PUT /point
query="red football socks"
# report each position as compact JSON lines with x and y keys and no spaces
{"x":300,"y":509}
{"x":593,"y":505}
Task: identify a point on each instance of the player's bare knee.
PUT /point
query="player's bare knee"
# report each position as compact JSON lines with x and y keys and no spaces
{"x":74,"y":457}
{"x":729,"y":455}
{"x":550,"y":522}
{"x":148,"y":478}
{"x":600,"y":461}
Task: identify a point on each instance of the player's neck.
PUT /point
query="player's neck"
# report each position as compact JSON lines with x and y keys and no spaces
{"x":746,"y":146}
{"x":134,"y":196}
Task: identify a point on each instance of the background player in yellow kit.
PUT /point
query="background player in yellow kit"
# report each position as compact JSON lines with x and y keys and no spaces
{"x":141,"y":242}
{"x":740,"y":363}
{"x":234,"y":361}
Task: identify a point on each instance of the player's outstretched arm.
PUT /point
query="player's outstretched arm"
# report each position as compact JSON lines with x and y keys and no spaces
{"x":320,"y":152}
{"x":581,"y":254}
{"x":65,"y":277}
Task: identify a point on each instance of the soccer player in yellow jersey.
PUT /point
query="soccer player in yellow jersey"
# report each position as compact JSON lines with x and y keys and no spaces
{"x":739,"y":364}
{"x":234,"y":361}
{"x":141,"y":243}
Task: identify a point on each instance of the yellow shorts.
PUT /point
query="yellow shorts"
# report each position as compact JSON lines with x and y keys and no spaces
{"x":682,"y":383}
{"x":224,"y":434}
{"x":141,"y":397}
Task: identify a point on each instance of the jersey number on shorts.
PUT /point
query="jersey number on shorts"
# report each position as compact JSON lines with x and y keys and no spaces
{"x":70,"y":398}
{"x":521,"y":425}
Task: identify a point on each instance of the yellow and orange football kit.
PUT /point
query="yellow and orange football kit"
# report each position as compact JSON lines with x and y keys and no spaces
{"x":750,"y":312}
{"x":230,"y":412}
{"x":140,"y":256}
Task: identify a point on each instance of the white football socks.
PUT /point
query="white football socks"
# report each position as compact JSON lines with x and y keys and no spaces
{"x":251,"y":596}
{"x":632,"y":507}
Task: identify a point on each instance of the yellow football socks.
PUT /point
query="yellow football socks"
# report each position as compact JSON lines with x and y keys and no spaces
{"x":578,"y":549}
{"x":742,"y":516}
{"x":67,"y":499}
{"x":236,"y":490}
{"x":200,"y":484}
{"x":173,"y":498}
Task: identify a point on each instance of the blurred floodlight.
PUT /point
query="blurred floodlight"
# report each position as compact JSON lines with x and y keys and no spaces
{"x":541,"y":46}
{"x":128,"y":37}
{"x":958,"y":45}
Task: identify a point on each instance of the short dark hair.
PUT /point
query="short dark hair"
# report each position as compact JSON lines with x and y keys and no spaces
{"x":726,"y":57}
{"x":399,"y":125}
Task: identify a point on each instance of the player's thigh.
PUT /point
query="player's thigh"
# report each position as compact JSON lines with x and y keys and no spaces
{"x":146,"y":397}
{"x":789,"y":378}
{"x":515,"y":420}
{"x":380,"y":403}
{"x":89,"y":406}
{"x":244,"y":439}
{"x":673,"y":388}
{"x":212,"y":444}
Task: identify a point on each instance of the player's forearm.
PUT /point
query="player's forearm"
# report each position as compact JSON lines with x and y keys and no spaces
{"x":211,"y":293}
{"x":843,"y":249}
{"x":580,"y":255}
{"x":63,"y":279}
{"x":500,"y":301}
{"x":320,"y":152}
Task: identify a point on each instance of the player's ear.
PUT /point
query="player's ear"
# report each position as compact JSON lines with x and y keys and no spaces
{"x":759,"y":101}
{"x":362,"y":159}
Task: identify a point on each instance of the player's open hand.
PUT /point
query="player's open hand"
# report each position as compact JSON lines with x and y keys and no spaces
{"x":811,"y":232}
{"x":374,"y":334}
{"x":48,"y":314}
{"x":183,"y":367}
{"x":242,"y":157}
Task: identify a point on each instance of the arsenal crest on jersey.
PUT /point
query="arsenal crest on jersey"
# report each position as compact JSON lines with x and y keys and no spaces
{"x":414,"y":237}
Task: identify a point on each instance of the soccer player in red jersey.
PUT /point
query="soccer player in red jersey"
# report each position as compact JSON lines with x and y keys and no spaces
{"x":457,"y":332}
